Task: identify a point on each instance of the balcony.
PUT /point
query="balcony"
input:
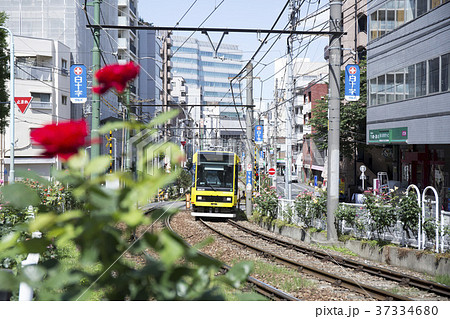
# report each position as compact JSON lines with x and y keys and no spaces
{"x":41,"y":105}
{"x":307,"y":107}
{"x":27,"y":72}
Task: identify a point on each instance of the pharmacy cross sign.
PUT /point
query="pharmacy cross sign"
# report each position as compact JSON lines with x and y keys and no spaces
{"x":78,"y":83}
{"x":23,"y":103}
{"x":352,"y":82}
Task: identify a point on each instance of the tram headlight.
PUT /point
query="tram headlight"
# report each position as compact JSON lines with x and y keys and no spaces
{"x":228,"y":199}
{"x":199,"y":198}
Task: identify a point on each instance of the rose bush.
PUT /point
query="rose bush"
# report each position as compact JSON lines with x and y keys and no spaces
{"x":99,"y":224}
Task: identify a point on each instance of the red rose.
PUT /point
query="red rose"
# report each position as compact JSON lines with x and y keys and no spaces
{"x":61,"y":139}
{"x":115,"y":75}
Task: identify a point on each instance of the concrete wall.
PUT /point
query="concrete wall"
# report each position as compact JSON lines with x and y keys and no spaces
{"x":412,"y":259}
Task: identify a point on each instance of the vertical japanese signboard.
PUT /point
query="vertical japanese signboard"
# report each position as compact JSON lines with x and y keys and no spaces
{"x":352,"y":82}
{"x":259,"y":134}
{"x":78,"y":84}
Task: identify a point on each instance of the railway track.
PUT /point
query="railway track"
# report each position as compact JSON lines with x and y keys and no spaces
{"x":334,"y":279}
{"x":429,"y":286}
{"x":260,"y":287}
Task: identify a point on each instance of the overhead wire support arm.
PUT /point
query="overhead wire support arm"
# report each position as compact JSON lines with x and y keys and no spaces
{"x":225,"y":30}
{"x":212,"y":44}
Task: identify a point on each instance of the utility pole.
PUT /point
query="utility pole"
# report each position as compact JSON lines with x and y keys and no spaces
{"x":95,"y":148}
{"x":166,"y":77}
{"x":275,"y":137}
{"x":289,"y":105}
{"x":334,"y":117}
{"x":12,"y":176}
{"x":250,"y":149}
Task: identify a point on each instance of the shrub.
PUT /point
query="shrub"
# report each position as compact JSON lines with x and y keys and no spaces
{"x":266,"y":202}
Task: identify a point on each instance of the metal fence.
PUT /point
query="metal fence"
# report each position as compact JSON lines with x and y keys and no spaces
{"x":439,"y":220}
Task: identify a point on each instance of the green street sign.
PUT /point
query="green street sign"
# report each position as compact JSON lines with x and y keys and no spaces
{"x":388,"y":136}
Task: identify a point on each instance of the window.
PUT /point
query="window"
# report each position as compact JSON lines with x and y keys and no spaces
{"x":390,"y":88}
{"x":374,"y":25}
{"x":381,"y":89}
{"x":445,"y":72}
{"x":64,"y":69}
{"x":421,"y":7}
{"x":434,"y":3}
{"x":410,"y":82}
{"x":399,"y":86}
{"x":64,"y":100}
{"x":362,"y":23}
{"x":421,"y":79}
{"x":373,"y":91}
{"x":433,"y":75}
{"x":40,"y":97}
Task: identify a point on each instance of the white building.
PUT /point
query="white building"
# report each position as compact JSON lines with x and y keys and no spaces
{"x":305,"y":72}
{"x":41,"y":71}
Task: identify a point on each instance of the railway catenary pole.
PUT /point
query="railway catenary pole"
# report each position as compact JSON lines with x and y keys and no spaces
{"x":249,"y":135}
{"x":334,"y":117}
{"x":95,"y":148}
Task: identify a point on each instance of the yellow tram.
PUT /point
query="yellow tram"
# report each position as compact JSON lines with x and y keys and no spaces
{"x":215,"y":188}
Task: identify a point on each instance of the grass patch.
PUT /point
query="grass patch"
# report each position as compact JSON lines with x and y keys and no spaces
{"x":343,"y":250}
{"x":276,"y":276}
{"x":443,"y":279}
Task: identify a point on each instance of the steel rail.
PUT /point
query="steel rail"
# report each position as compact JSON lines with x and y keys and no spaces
{"x":336,"y":280}
{"x":438,"y":289}
{"x":259,"y":286}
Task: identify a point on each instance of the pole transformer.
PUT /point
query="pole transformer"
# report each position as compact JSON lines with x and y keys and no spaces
{"x":95,"y":148}
{"x":250,"y":148}
{"x":334,"y":117}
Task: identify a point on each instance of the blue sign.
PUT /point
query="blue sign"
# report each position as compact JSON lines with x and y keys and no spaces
{"x":261,"y":154}
{"x":249,"y":178}
{"x":352,"y":73}
{"x":315,"y":180}
{"x":78,"y":84}
{"x":259,"y":134}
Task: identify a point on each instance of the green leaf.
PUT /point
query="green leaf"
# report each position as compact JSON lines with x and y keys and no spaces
{"x":32,"y":175}
{"x":171,"y":250}
{"x":239,"y":273}
{"x":164,"y":117}
{"x":20,"y":195}
{"x":35,"y":245}
{"x":43,"y":222}
{"x":97,"y":165}
{"x":8,"y":281}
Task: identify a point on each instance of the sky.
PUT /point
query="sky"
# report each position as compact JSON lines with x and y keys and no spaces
{"x":247,"y":14}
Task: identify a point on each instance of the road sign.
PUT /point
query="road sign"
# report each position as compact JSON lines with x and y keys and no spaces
{"x":23,"y":103}
{"x":272,"y":171}
{"x":259,"y":134}
{"x":78,"y":83}
{"x":352,"y":82}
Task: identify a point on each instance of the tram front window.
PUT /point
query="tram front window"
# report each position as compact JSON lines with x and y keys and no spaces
{"x":215,"y":176}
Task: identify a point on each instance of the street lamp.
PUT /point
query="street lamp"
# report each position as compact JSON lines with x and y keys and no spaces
{"x":12,"y":176}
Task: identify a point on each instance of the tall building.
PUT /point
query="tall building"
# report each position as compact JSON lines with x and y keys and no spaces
{"x":408,"y":74}
{"x":207,"y":76}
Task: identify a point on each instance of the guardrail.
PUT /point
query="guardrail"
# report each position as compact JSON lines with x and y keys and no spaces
{"x":440,"y":242}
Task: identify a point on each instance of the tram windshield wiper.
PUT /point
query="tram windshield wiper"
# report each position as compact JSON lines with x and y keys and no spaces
{"x":207,"y":184}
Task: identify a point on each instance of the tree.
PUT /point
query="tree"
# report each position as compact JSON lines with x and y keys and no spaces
{"x":352,"y":119}
{"x":4,"y":74}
